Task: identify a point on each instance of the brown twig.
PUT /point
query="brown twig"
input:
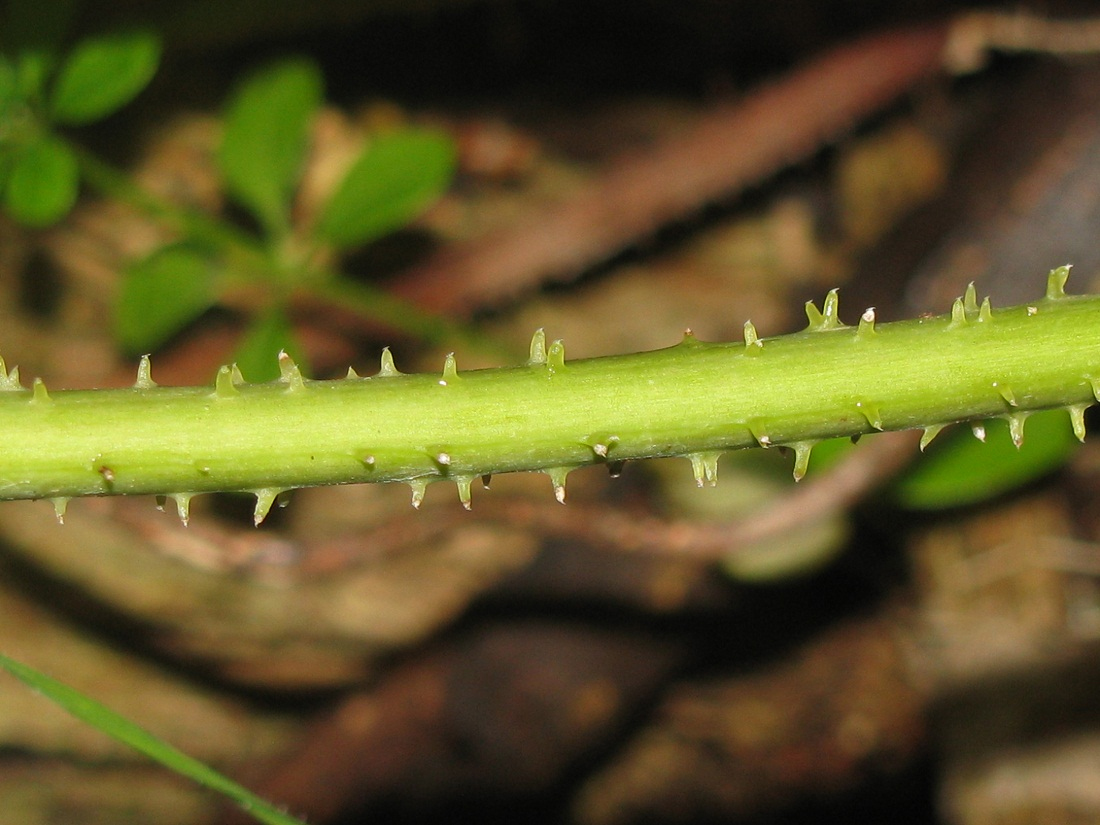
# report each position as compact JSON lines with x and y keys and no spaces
{"x":733,"y":146}
{"x":816,"y":499}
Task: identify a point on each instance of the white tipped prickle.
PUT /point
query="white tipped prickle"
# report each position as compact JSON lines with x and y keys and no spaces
{"x":802,"y":450}
{"x":601,"y":449}
{"x":144,"y":379}
{"x":704,"y":467}
{"x":1016,"y":427}
{"x":289,"y":373}
{"x":970,"y":299}
{"x":387,"y":368}
{"x":958,"y":313}
{"x":867,"y":322}
{"x":60,"y":504}
{"x":183,"y":506}
{"x":555,"y":357}
{"x":6,"y":378}
{"x":538,"y":349}
{"x":752,"y":340}
{"x":1056,"y":283}
{"x":760,"y":433}
{"x":224,"y":384}
{"x":463,"y":483}
{"x":1006,"y":393}
{"x":450,"y":369}
{"x":828,"y":316}
{"x":1077,"y":419}
{"x":418,"y":487}
{"x":265,"y":497}
{"x":558,"y":476}
{"x":929,"y":434}
{"x":985,"y":312}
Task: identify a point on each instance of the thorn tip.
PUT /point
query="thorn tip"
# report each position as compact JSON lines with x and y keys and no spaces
{"x":802,"y":450}
{"x":558,"y":477}
{"x":39,"y":395}
{"x":227,"y":381}
{"x":1077,"y":419}
{"x":60,"y":503}
{"x":450,"y":369}
{"x":704,"y":467}
{"x":538,"y":349}
{"x":387,"y":368}
{"x":265,"y":497}
{"x":867,"y":321}
{"x":144,"y":379}
{"x":752,"y":340}
{"x":289,"y":373}
{"x":1056,"y":282}
{"x":929,"y":434}
{"x":555,"y":357}
{"x":418,"y":486}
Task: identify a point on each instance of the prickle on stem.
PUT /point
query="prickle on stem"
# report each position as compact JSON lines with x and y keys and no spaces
{"x":558,"y":476}
{"x":692,"y":399}
{"x":704,"y":467}
{"x":144,"y":380}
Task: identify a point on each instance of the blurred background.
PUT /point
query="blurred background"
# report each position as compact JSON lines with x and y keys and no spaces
{"x":895,"y":639}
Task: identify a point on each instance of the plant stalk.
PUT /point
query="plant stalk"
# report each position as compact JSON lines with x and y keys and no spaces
{"x":695,"y":400}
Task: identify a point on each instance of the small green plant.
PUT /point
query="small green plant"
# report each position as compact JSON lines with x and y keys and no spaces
{"x":42,"y":89}
{"x":695,"y":399}
{"x":263,"y":147}
{"x":45,"y":90}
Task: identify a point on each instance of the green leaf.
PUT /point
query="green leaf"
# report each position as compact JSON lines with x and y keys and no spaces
{"x":42,"y":182}
{"x":258,"y":355}
{"x":266,"y":127}
{"x":964,"y":470}
{"x":128,"y":733}
{"x":393,"y":181}
{"x":161,"y":294}
{"x":102,"y":74}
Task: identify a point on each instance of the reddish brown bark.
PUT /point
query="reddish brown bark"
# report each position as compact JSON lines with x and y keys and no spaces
{"x":733,"y":146}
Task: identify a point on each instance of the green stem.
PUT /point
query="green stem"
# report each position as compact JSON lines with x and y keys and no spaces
{"x":115,"y":185}
{"x":694,"y":399}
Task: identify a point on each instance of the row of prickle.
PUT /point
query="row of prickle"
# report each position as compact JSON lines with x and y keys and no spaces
{"x":548,"y":359}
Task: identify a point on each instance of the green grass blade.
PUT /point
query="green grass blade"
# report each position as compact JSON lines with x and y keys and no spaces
{"x":123,"y":730}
